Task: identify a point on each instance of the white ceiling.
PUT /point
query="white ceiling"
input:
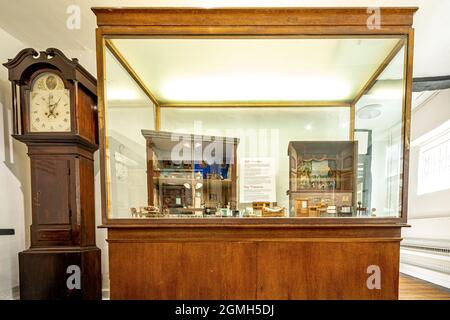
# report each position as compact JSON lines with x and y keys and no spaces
{"x":253,"y":70}
{"x":42,"y":24}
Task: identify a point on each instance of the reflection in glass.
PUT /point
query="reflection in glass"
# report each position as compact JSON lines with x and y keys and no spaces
{"x":378,"y":129}
{"x":289,"y":108}
{"x":128,"y":111}
{"x":263,"y":133}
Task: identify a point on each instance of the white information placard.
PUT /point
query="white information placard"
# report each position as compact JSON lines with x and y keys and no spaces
{"x":257,"y":180}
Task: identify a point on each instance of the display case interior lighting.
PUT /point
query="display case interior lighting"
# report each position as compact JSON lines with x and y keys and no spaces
{"x":251,"y":88}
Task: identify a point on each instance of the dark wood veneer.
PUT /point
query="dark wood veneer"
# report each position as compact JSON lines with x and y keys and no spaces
{"x":252,"y":263}
{"x":62,"y":182}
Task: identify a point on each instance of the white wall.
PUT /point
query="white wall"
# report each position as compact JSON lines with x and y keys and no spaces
{"x":15,"y":204}
{"x":428,"y":214}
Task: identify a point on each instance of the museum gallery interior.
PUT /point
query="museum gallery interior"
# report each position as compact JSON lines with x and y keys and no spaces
{"x":241,"y":154}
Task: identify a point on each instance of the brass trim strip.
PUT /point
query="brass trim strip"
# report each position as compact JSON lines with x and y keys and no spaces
{"x":129,"y":69}
{"x":379,"y":70}
{"x":293,"y":104}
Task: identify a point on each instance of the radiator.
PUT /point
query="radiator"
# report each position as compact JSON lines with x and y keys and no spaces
{"x":426,"y":259}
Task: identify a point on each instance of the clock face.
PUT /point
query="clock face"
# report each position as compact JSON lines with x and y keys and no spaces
{"x":49,"y":104}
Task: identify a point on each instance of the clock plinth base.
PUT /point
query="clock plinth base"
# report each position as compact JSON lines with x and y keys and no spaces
{"x":45,"y":273}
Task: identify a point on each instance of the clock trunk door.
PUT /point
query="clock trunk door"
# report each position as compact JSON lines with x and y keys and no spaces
{"x":51,"y":190}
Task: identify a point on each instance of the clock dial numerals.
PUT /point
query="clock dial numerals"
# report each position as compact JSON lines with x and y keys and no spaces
{"x":49,"y":105}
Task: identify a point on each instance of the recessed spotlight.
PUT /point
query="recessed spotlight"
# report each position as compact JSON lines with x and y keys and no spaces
{"x":370,"y":111}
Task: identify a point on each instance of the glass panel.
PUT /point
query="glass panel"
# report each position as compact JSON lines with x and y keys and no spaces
{"x":128,"y":111}
{"x":264,"y":70}
{"x":247,"y":132}
{"x":266,"y":137}
{"x":378,"y":131}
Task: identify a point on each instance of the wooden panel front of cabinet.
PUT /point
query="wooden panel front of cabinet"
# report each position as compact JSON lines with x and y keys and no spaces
{"x":326,"y":270}
{"x":259,"y":263}
{"x":43,"y":274}
{"x":53,"y":193}
{"x":50,"y":187}
{"x":188,"y":270}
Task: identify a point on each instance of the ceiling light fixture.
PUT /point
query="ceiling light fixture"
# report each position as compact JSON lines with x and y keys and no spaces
{"x":370,"y":111}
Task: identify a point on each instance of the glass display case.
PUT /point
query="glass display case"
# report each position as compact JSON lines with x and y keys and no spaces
{"x":344,"y":95}
{"x":327,"y":85}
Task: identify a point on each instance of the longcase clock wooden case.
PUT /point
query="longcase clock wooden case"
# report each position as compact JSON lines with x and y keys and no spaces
{"x":54,"y":114}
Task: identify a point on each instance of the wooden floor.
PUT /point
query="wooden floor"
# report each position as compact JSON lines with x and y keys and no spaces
{"x":416,"y":289}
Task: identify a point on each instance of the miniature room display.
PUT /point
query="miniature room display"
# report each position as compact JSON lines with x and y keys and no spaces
{"x":190,"y":174}
{"x":322,"y":178}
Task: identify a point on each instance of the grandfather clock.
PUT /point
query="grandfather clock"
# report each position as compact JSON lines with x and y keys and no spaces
{"x":54,"y":114}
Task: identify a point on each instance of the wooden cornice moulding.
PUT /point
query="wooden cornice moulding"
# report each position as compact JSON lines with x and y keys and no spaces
{"x":70,"y":68}
{"x":346,"y":16}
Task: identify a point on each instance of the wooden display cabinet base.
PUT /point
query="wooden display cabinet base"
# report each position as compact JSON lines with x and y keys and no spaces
{"x":44,"y":273}
{"x":256,"y":262}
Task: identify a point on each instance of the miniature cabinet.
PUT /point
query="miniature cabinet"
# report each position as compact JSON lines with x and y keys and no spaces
{"x":191,"y":174}
{"x":322,"y":178}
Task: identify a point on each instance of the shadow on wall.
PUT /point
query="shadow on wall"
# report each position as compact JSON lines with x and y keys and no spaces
{"x":14,"y":154}
{"x":15,"y":201}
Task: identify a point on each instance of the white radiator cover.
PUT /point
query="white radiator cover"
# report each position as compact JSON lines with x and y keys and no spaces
{"x":426,"y":259}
